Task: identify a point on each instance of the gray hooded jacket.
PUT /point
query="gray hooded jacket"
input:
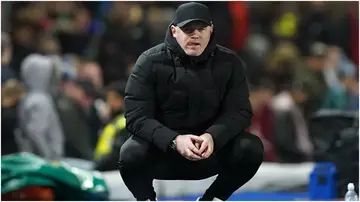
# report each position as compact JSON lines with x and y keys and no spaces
{"x":41,"y":131}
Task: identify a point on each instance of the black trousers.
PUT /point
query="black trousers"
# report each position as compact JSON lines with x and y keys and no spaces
{"x":236,"y":163}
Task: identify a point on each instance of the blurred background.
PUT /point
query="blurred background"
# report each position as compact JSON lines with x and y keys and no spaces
{"x":302,"y":65}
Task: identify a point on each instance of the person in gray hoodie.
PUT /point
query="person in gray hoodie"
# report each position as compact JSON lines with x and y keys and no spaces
{"x":41,"y":130}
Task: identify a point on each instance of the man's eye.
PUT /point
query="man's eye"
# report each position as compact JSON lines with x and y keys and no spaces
{"x":188,"y":31}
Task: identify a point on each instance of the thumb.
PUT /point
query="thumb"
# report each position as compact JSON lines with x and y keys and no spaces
{"x":203,"y":147}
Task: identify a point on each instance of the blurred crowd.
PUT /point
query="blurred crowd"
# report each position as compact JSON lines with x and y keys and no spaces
{"x":64,"y":67}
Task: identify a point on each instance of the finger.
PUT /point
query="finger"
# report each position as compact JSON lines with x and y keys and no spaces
{"x":196,"y":138}
{"x":208,"y":153}
{"x":192,"y":156}
{"x":192,"y":159}
{"x":197,"y":145}
{"x":194,"y":150}
{"x":203,"y":147}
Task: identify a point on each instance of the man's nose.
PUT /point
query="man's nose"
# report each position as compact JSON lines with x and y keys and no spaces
{"x":195,"y":34}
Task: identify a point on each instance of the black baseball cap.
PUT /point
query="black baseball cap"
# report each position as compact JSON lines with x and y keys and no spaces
{"x":190,"y":12}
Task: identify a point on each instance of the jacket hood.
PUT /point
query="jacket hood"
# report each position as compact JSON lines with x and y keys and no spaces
{"x":40,"y":73}
{"x":176,"y":49}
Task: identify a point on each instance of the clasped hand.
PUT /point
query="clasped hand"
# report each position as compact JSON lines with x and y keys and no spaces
{"x":195,"y":147}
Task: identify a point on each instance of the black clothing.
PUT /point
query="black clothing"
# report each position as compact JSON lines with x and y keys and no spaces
{"x":76,"y":127}
{"x":108,"y":162}
{"x":9,"y":123}
{"x":170,"y":93}
{"x":236,"y":163}
{"x":192,"y":11}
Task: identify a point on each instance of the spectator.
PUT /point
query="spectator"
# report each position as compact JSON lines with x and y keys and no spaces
{"x":48,"y":46}
{"x":262,"y":123}
{"x":71,"y":65}
{"x":73,"y":32}
{"x":114,"y":133}
{"x":339,"y":75}
{"x":118,"y":49}
{"x":291,"y":135}
{"x":312,"y":73}
{"x":23,"y":36}
{"x":73,"y":107}
{"x":12,"y":92}
{"x":92,"y":71}
{"x":6,"y":56}
{"x":286,"y":24}
{"x":338,"y":23}
{"x":315,"y":16}
{"x":41,"y":130}
{"x":256,"y":50}
{"x":282,"y":64}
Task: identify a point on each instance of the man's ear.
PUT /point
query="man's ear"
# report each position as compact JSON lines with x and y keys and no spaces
{"x":211,"y":29}
{"x":173,"y":30}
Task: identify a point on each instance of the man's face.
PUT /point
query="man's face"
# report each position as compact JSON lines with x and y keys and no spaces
{"x":317,"y":63}
{"x":93,"y":72}
{"x":300,"y":97}
{"x":6,"y":57}
{"x":114,"y":101}
{"x":193,"y":37}
{"x":78,"y":94}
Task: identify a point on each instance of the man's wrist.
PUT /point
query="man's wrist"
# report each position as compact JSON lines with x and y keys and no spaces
{"x":173,"y":143}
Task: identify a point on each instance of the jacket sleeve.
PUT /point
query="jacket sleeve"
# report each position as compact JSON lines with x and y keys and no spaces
{"x":236,"y":111}
{"x":140,"y":106}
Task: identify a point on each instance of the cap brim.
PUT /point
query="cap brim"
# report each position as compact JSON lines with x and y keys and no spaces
{"x":183,"y":23}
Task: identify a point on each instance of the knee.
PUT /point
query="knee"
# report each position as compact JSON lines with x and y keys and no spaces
{"x":251,"y":148}
{"x":133,"y":153}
